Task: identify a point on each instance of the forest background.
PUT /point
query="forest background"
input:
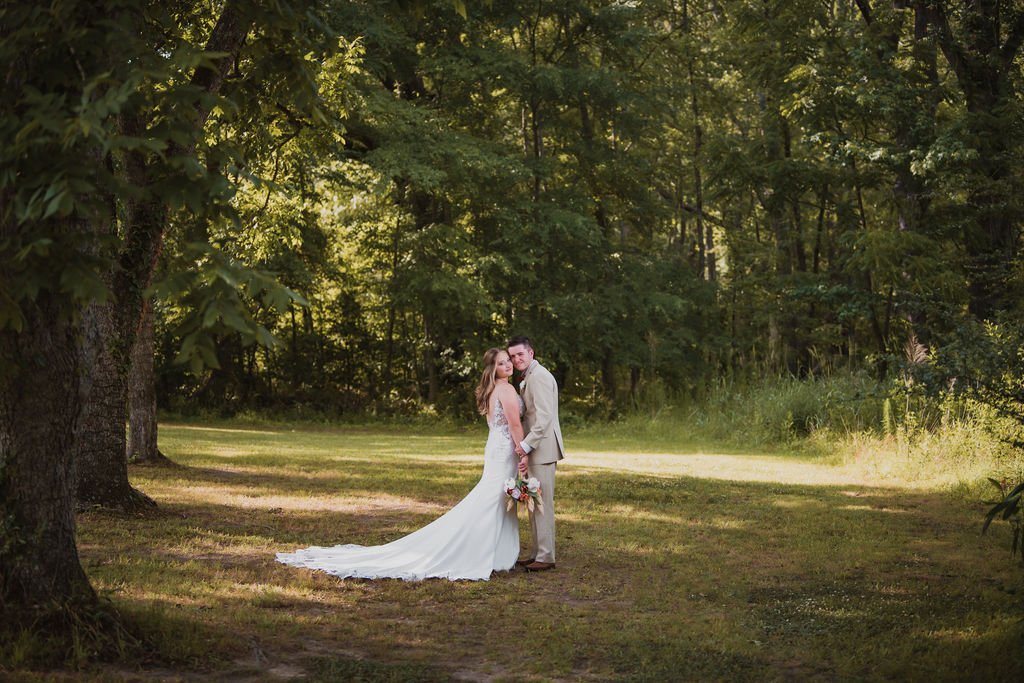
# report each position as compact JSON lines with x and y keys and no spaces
{"x":663,"y":195}
{"x":671,"y":198}
{"x":803,"y":214}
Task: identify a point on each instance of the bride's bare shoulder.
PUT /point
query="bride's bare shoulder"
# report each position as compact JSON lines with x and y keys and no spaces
{"x":504,"y":391}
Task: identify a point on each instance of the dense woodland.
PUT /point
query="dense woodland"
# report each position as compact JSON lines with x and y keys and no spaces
{"x":657,"y":192}
{"x":336,"y":206}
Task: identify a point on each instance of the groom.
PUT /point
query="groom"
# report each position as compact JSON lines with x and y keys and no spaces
{"x":540,"y":449}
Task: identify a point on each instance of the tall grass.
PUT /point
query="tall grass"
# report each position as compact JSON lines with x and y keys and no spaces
{"x":783,"y":410}
{"x":887,"y":430}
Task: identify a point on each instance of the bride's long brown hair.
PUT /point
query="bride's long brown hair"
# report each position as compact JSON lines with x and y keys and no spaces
{"x":488,"y":379}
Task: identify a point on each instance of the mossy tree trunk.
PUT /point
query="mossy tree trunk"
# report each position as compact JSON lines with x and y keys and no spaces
{"x":40,"y":572}
{"x":101,"y":465}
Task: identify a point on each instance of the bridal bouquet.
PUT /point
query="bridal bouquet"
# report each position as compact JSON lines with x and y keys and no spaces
{"x":523,"y":491}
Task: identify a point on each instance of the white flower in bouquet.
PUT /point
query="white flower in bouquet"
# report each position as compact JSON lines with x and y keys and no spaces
{"x":523,"y":491}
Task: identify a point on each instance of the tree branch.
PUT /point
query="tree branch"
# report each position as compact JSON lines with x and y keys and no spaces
{"x":952,"y":50}
{"x":865,"y":11}
{"x":1013,"y":41}
{"x":228,"y":36}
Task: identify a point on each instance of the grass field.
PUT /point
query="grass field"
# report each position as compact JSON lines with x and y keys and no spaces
{"x":674,"y":564}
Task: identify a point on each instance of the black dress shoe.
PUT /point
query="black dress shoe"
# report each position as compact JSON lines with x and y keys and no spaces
{"x":539,"y":566}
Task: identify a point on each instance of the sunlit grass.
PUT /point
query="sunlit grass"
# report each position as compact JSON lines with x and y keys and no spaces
{"x":955,"y":455}
{"x":693,"y":563}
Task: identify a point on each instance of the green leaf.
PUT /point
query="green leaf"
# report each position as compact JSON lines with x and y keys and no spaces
{"x":40,"y":246}
{"x":1011,"y":506}
{"x":991,"y":516}
{"x":54,"y":205}
{"x":211,"y":314}
{"x":233,"y":318}
{"x":83,"y":284}
{"x":172,"y":285}
{"x":187,"y":346}
{"x":11,"y":316}
{"x":265,"y":338}
{"x":196,"y":365}
{"x":225,"y":274}
{"x":1018,"y":490}
{"x":209,"y":356}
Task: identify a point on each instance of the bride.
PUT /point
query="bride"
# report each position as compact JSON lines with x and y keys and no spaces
{"x":477,"y":536}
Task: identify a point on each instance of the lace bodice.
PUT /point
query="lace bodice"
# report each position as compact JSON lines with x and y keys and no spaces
{"x":499,"y":421}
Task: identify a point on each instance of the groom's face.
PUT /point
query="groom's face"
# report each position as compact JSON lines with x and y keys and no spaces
{"x":521,"y":355}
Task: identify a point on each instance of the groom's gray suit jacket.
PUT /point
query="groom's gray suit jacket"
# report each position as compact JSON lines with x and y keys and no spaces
{"x":540,"y":423}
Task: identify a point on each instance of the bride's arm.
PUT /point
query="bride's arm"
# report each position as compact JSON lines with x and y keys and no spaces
{"x":510,"y":405}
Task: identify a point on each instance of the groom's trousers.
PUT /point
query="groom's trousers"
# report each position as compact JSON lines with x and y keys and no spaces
{"x":542,"y":524}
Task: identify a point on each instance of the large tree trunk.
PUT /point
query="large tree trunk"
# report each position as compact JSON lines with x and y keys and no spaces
{"x":142,"y":424}
{"x":40,"y":572}
{"x":101,"y":464}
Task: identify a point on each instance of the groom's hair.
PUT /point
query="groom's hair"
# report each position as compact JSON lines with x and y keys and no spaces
{"x":516,"y":341}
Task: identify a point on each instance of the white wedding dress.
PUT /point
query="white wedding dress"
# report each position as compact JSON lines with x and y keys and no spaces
{"x":473,"y":539}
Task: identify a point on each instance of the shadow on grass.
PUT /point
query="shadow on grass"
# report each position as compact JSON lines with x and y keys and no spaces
{"x":406,"y":478}
{"x":659,"y":577}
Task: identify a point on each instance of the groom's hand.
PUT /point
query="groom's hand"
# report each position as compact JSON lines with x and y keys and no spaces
{"x":523,"y":463}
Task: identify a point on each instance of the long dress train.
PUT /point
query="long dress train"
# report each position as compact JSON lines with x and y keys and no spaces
{"x":473,"y":539}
